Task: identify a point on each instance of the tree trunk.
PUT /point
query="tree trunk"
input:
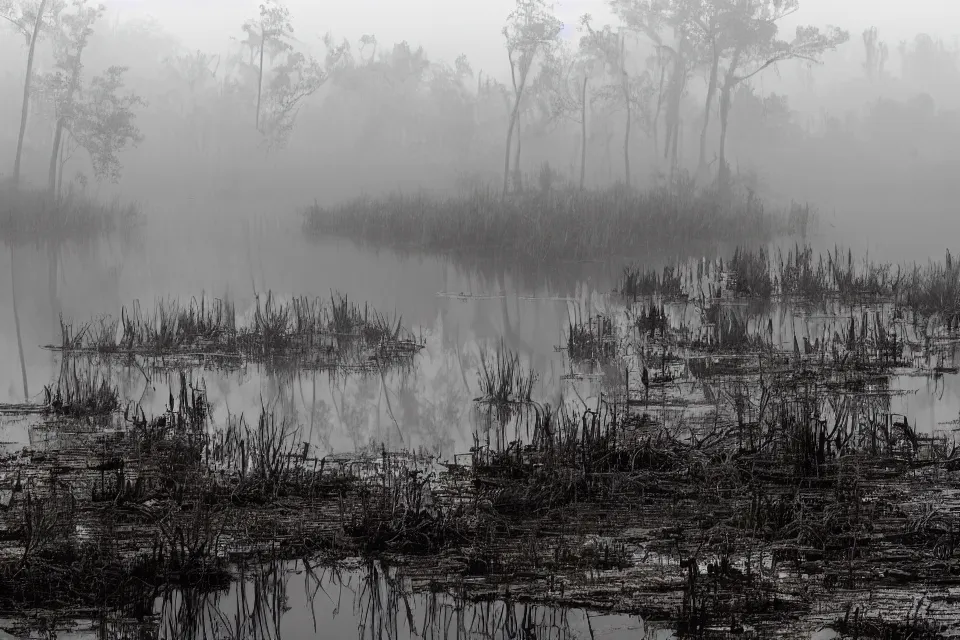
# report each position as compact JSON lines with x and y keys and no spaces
{"x":583,"y":133}
{"x":726,"y":98}
{"x":656,"y":115}
{"x":724,"y":174}
{"x":506,"y":155}
{"x":61,"y":162}
{"x":707,"y":109}
{"x":24,"y":110}
{"x":54,"y":154}
{"x":625,"y":85}
{"x":678,"y":84}
{"x":514,"y":121}
{"x":673,"y":112}
{"x":517,"y":177}
{"x":263,"y":42}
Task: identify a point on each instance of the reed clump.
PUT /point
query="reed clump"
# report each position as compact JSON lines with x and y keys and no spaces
{"x":80,"y":394}
{"x":399,"y":511}
{"x":300,"y":331}
{"x":934,"y":289}
{"x":593,"y":340}
{"x":748,"y":273}
{"x":551,"y":225}
{"x":31,"y":216}
{"x":800,"y":276}
{"x":638,"y":282}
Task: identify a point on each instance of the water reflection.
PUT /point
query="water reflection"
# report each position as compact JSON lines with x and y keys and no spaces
{"x":299,"y":599}
{"x":429,"y":407}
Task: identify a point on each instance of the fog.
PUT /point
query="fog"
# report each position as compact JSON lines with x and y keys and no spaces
{"x":401,"y":113}
{"x":513,"y":177}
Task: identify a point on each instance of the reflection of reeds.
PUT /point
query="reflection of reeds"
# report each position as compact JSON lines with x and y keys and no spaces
{"x":591,"y":340}
{"x":637,"y":282}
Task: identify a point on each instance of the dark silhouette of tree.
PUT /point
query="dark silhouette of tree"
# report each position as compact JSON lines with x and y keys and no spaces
{"x":877,"y":54}
{"x":27,"y":18}
{"x":63,"y":84}
{"x":753,"y":31}
{"x":531,"y":31}
{"x":293,"y":77}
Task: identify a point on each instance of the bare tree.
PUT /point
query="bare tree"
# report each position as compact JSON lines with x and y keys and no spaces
{"x":753,"y":30}
{"x":269,"y":30}
{"x":619,"y":88}
{"x":568,"y":74}
{"x":27,"y":19}
{"x":531,"y":30}
{"x":652,"y":18}
{"x":72,"y":35}
{"x":877,"y":54}
{"x":294,"y":77}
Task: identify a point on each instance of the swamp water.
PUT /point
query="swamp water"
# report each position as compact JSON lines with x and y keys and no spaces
{"x":459,"y":312}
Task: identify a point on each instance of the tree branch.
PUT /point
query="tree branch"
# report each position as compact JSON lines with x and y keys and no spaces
{"x":20,"y":27}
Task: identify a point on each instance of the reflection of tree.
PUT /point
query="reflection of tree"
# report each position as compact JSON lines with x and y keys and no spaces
{"x":190,"y":614}
{"x":383,"y":602}
{"x":252,"y":609}
{"x":353,"y":415}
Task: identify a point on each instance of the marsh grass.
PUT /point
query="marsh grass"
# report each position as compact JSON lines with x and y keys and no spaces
{"x":637,"y":282}
{"x":748,"y":273}
{"x":593,"y":339}
{"x":553,"y":225}
{"x":301,"y":331}
{"x":800,"y":276}
{"x":99,"y":334}
{"x":934,"y":289}
{"x":871,"y":280}
{"x":60,"y":572}
{"x":398,"y":512}
{"x":802,"y":458}
{"x":726,"y":328}
{"x":174,"y":441}
{"x":80,"y":394}
{"x":503,"y":379}
{"x":32,"y":216}
{"x":651,"y":320}
{"x":200,"y":324}
{"x":858,"y":624}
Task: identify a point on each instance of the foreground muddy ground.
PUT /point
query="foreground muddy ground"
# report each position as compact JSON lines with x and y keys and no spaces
{"x":728,"y":451}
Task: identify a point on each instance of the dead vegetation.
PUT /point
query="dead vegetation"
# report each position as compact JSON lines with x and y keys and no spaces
{"x":34,"y":216}
{"x":301,"y":332}
{"x":557,"y":225}
{"x":741,"y":472}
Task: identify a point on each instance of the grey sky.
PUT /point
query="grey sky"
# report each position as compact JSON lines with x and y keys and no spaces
{"x":446,"y":28}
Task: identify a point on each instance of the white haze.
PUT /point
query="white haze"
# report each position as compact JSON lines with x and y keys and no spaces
{"x":833,"y":147}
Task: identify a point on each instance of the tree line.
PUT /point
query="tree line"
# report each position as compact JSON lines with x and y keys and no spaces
{"x":634,"y":76}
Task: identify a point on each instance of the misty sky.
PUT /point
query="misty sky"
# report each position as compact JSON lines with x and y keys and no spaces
{"x":446,"y":28}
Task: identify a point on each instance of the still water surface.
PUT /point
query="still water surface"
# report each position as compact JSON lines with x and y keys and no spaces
{"x":223,"y":255}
